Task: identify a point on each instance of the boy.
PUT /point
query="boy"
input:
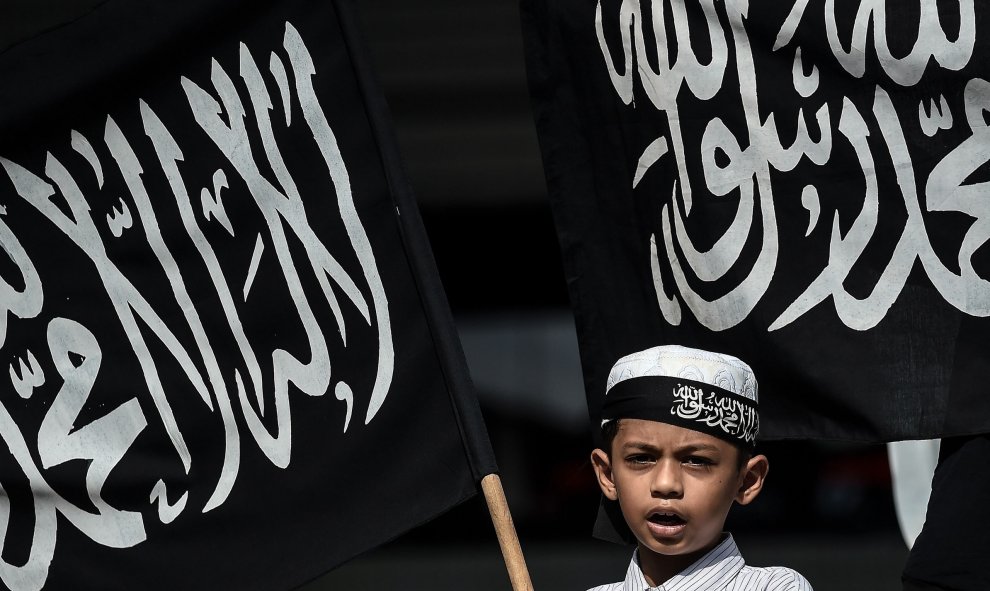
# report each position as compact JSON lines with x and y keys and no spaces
{"x":678,"y":430}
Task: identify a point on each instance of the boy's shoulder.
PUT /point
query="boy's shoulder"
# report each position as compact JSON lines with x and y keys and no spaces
{"x":750,"y":578}
{"x":780,"y":578}
{"x":723,"y":568}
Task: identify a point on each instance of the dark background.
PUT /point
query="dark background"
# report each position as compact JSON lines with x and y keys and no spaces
{"x":453,"y":75}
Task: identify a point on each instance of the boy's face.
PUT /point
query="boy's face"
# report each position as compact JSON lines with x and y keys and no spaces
{"x":674,"y":485}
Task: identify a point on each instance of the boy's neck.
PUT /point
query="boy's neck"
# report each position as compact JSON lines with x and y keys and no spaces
{"x":660,"y":568}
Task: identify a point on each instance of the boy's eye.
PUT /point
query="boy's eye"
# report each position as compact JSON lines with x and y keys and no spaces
{"x":640,"y":459}
{"x":698,"y":461}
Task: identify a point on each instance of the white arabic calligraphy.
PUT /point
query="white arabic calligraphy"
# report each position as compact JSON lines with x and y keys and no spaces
{"x":740,"y":167}
{"x":734,"y":418}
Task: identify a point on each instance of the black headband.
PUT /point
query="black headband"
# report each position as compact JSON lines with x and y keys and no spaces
{"x":686,"y":403}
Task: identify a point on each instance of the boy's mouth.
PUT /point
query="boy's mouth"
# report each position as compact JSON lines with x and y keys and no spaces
{"x":666,"y":519}
{"x":665,"y":525}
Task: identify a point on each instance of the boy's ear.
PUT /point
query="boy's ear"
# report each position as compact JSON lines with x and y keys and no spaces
{"x":751,"y":481}
{"x":603,"y":471}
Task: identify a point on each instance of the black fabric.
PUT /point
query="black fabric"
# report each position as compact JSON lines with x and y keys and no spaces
{"x":611,"y":526}
{"x":762,"y":179}
{"x":911,"y":585}
{"x":231,"y":362}
{"x":950,"y":553}
{"x":686,"y":403}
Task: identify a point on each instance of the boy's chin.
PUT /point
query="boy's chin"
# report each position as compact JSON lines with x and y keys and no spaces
{"x":680,"y":546}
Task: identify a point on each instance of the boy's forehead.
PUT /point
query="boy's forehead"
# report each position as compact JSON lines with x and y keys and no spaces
{"x":656,"y":432}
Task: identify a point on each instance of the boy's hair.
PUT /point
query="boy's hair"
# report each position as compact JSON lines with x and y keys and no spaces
{"x":609,"y":431}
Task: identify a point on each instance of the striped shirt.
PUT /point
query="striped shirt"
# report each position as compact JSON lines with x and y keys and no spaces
{"x":722,"y":569}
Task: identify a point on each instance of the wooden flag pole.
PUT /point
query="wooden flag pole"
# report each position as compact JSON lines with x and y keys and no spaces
{"x":515,"y":562}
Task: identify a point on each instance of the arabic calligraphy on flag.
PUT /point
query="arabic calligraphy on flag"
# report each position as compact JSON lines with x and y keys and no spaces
{"x":211,"y":311}
{"x":798,"y":183}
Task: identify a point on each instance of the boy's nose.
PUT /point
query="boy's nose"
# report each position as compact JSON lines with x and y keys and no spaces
{"x":667,"y":480}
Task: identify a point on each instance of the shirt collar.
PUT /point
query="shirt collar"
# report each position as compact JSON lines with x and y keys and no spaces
{"x":712,"y":571}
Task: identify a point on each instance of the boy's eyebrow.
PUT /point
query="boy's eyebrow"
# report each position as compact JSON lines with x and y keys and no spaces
{"x":691,"y":447}
{"x":640,"y":445}
{"x":699,"y":447}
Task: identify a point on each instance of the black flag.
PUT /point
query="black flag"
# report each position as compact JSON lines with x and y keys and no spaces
{"x":801,"y":184}
{"x":230,"y":362}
